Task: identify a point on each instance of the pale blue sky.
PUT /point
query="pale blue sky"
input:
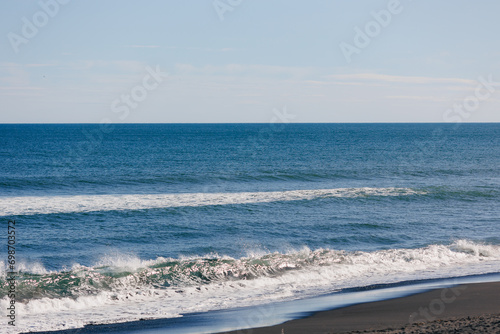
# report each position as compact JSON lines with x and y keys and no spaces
{"x":422,"y":64}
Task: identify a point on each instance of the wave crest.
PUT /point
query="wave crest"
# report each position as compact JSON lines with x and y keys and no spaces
{"x":167,"y":287}
{"x":119,"y":272}
{"x":30,"y":205}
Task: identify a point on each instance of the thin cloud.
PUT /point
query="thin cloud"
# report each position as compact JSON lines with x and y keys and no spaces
{"x":247,"y":70}
{"x":417,"y":97}
{"x":20,"y":88}
{"x":39,"y":65}
{"x":375,"y":77}
{"x":143,"y":46}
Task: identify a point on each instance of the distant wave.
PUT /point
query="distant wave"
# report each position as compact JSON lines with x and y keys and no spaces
{"x":167,"y":287}
{"x":86,"y":203}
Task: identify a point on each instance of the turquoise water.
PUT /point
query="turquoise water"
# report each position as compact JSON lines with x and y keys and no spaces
{"x":157,"y":221}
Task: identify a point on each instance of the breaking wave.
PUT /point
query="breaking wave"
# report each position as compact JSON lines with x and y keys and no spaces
{"x":125,"y":288}
{"x":30,"y":205}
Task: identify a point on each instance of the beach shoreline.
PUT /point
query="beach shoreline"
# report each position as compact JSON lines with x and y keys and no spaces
{"x":470,"y":308}
{"x":415,"y":308}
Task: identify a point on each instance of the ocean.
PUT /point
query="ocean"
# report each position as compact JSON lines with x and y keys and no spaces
{"x":154,"y":221}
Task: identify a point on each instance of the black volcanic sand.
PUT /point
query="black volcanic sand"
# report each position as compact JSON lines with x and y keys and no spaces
{"x":468,"y":308}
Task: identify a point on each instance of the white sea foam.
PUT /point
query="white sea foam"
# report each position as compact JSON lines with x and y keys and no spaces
{"x":275,"y":277}
{"x":29,"y":205}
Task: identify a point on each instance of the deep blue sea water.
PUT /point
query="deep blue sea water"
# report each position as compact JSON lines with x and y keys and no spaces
{"x":159,"y":220}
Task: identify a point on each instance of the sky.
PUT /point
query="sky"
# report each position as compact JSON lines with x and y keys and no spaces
{"x":237,"y":61}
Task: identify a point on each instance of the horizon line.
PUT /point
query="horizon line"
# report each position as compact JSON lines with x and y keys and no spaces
{"x":218,"y":123}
